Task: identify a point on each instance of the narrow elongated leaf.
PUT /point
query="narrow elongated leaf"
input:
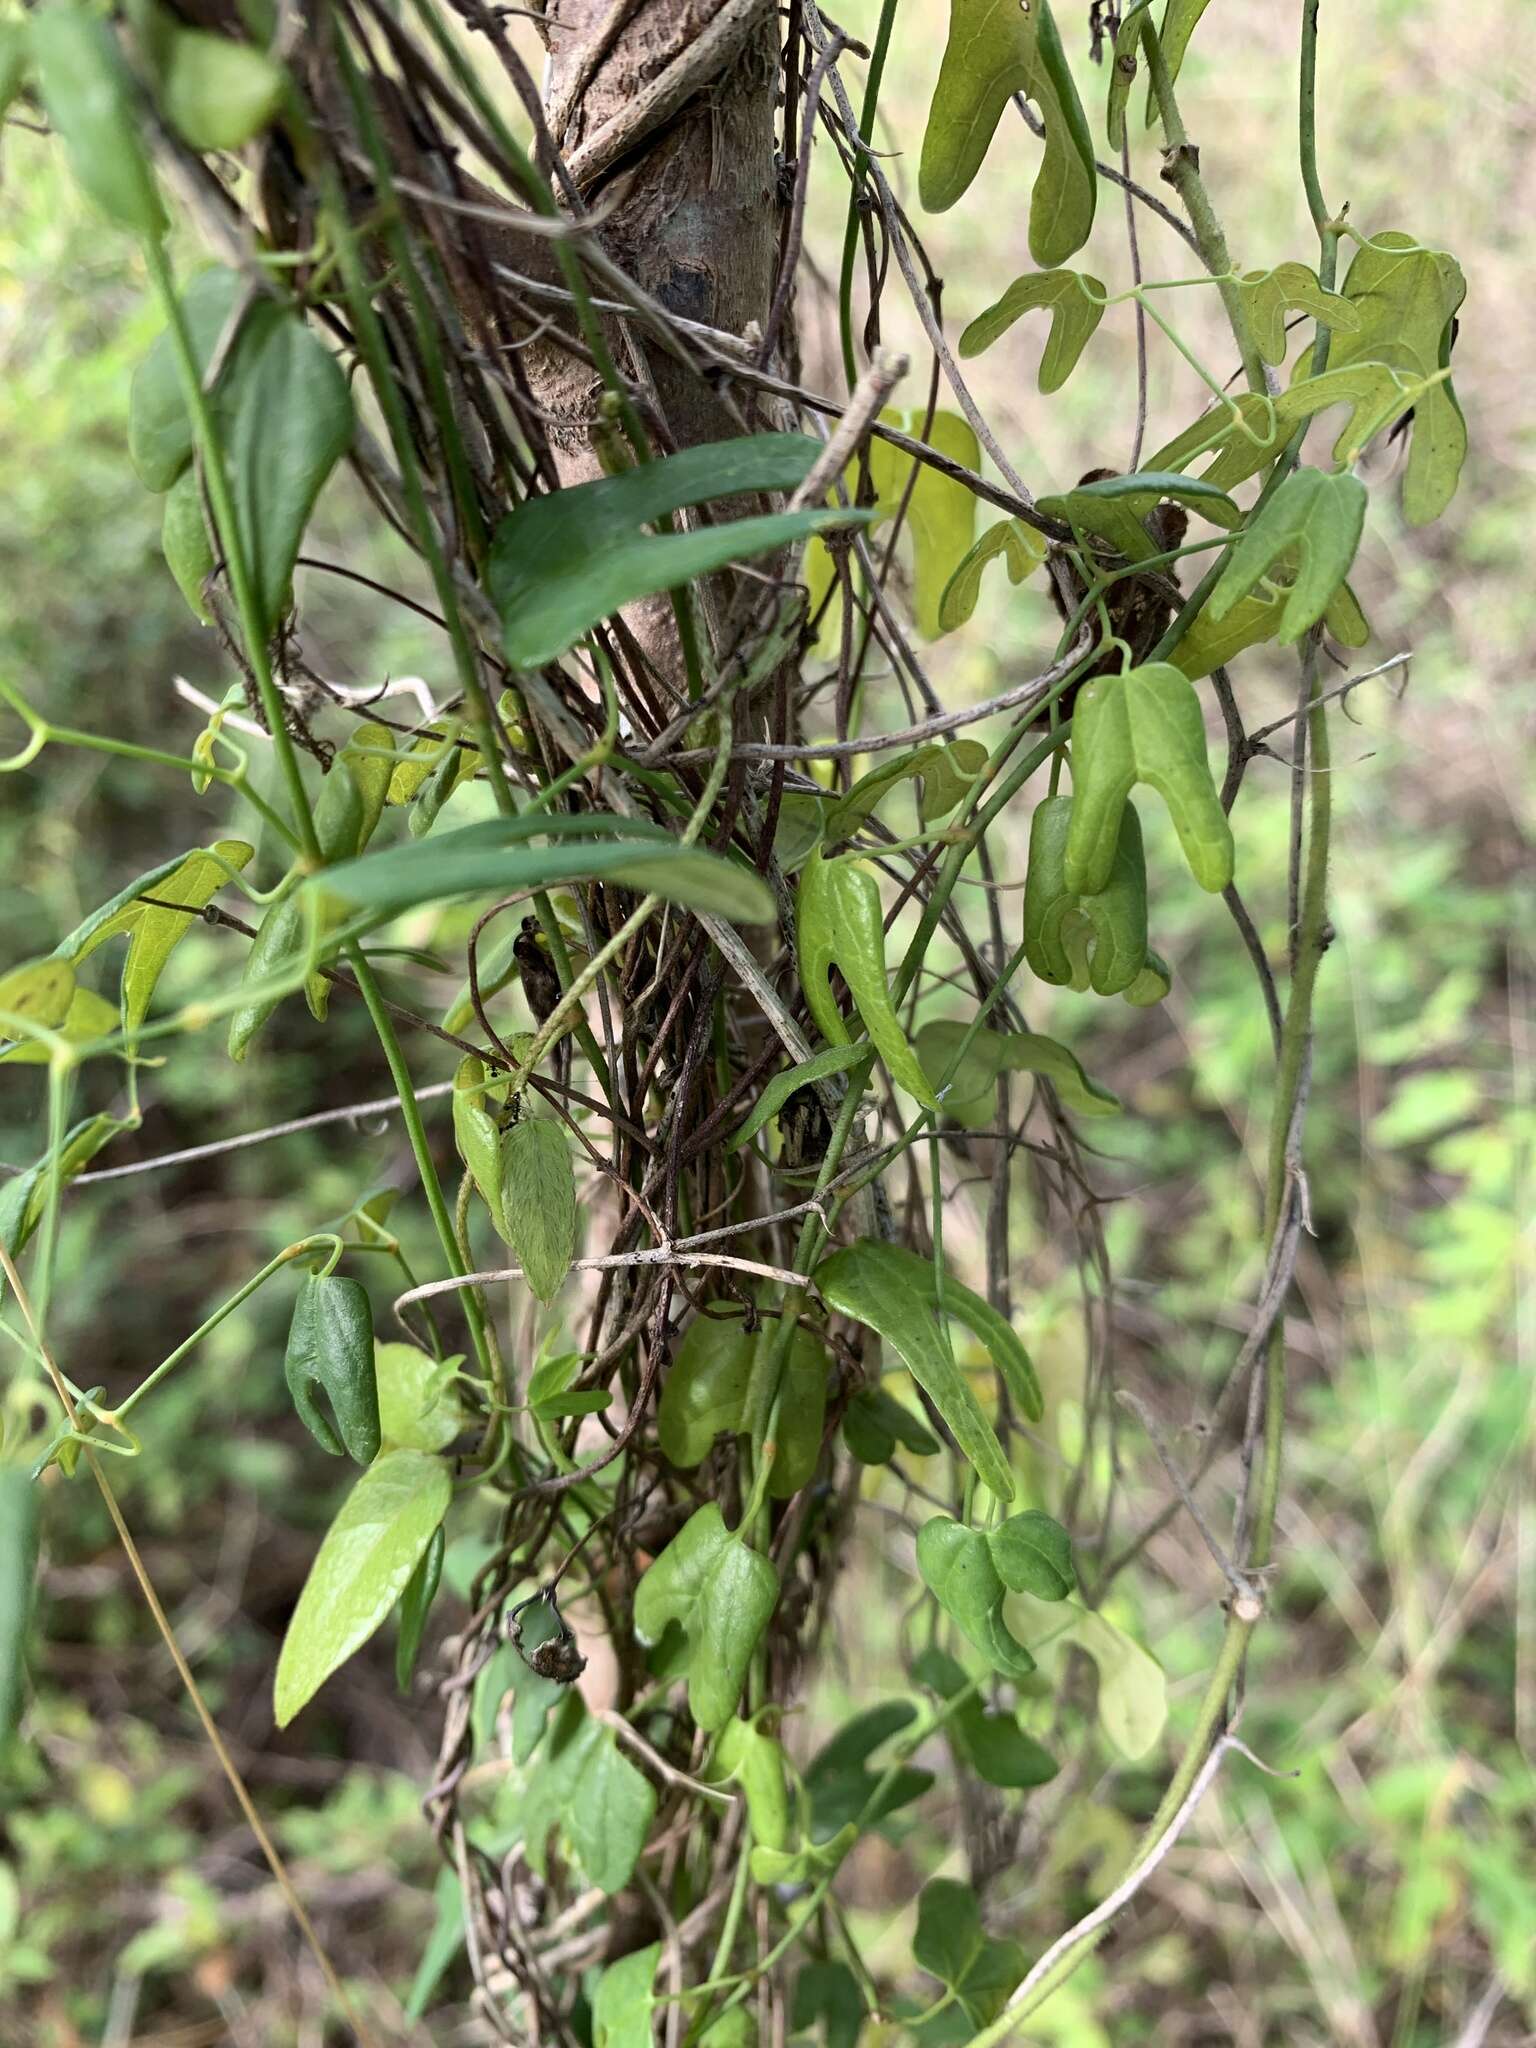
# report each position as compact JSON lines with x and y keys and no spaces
{"x":495,"y":858}
{"x":360,"y":1570}
{"x":539,"y":1201}
{"x":1318,"y":518}
{"x":330,"y":1351}
{"x":478,"y":1137}
{"x":874,"y":1423}
{"x":893,"y":1292}
{"x":720,"y":1593}
{"x":1075,"y":303}
{"x":18,"y":1573}
{"x":970,"y":1098}
{"x":415,"y":1605}
{"x":821,"y":1066}
{"x":1018,"y":545}
{"x":1180,"y":20}
{"x":89,"y":97}
{"x":996,"y":49}
{"x":1144,"y":725}
{"x":1122,"y":70}
{"x":838,"y":923}
{"x":186,"y":542}
{"x":563,"y":562}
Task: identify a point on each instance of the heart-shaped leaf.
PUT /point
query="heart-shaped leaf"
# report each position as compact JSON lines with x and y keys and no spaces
{"x":584,"y":1784}
{"x":563,"y":562}
{"x":720,"y":1593}
{"x":1075,"y":302}
{"x":217,"y":93}
{"x":1315,"y":518}
{"x":705,"y":1390}
{"x":360,"y":1570}
{"x":1144,"y":725}
{"x":995,"y":49}
{"x":839,"y":923}
{"x":1018,"y":545}
{"x":625,"y":2000}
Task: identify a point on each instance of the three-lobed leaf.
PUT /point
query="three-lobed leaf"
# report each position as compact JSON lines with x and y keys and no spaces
{"x":418,"y":1402}
{"x":720,"y":1592}
{"x":1019,"y":546}
{"x":1144,"y":725}
{"x":1075,"y":302}
{"x":997,"y":48}
{"x":362,"y":1567}
{"x":952,"y":1945}
{"x":839,"y":923}
{"x":1315,"y":519}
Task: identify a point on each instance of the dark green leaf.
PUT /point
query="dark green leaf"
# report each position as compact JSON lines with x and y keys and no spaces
{"x":970,"y":1100}
{"x":993,"y":1744}
{"x":997,"y":49}
{"x":828,"y":1993}
{"x":705,"y":1389}
{"x":721,"y":1594}
{"x":874,"y":1423}
{"x":951,"y":1944}
{"x":493,"y":858}
{"x":360,"y":1570}
{"x":1033,"y":1554}
{"x":839,"y":923}
{"x":1075,"y":302}
{"x":539,"y":1201}
{"x":821,"y":1066}
{"x":841,"y":1780}
{"x":89,"y":97}
{"x":1144,"y":725}
{"x":563,"y":562}
{"x":330,"y":1351}
{"x":1315,"y":519}
{"x":415,"y":1606}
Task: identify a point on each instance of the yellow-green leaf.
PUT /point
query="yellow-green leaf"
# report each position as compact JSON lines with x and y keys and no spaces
{"x":1075,"y":302}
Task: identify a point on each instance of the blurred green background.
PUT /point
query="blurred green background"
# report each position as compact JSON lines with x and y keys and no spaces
{"x":1386,"y":1894}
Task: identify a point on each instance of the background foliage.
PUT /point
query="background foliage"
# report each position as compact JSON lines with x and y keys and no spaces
{"x":1384,"y":1894}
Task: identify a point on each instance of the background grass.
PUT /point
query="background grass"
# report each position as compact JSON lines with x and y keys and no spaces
{"x":1386,"y":1894}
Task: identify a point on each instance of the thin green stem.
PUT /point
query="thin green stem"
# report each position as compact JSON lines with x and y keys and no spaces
{"x":882,"y":44}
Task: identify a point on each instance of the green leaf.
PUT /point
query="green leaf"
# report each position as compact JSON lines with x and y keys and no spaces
{"x":941,"y":511}
{"x":841,"y":1782}
{"x":721,"y":1594}
{"x":330,"y":1351}
{"x":217,"y":93}
{"x":40,"y":991}
{"x":18,"y":1574}
{"x":705,"y":1389}
{"x":1151,"y":985}
{"x":154,"y":930}
{"x":811,"y":1860}
{"x":1097,"y":941}
{"x":1075,"y":302}
{"x":1033,"y":1554}
{"x":1405,"y":298}
{"x":89,"y":98}
{"x":875,"y":1422}
{"x":802,"y":1407}
{"x":1318,"y":518}
{"x":478,"y":1137}
{"x":160,"y":435}
{"x":829,"y":1993}
{"x":539,"y":1201}
{"x":360,"y":1570}
{"x":1268,"y":295}
{"x":442,"y":1945}
{"x":23,"y":1196}
{"x":993,"y":1744}
{"x":1122,"y":71}
{"x":1247,"y":435}
{"x":611,"y":1809}
{"x":895,"y":1293}
{"x":838,"y":923}
{"x":277,"y":953}
{"x":1252,"y":620}
{"x":1021,"y":548}
{"x":185,"y":541}
{"x":960,"y":1571}
{"x":821,"y":1066}
{"x":1180,"y":20}
{"x":1114,"y":510}
{"x":945,"y":769}
{"x":493,"y":858}
{"x":563,"y":562}
{"x":622,"y":2008}
{"x":419,"y":1405}
{"x":951,"y":1944}
{"x":970,"y":1098}
{"x":1144,"y":725}
{"x":289,"y":422}
{"x":745,"y":1756}
{"x":415,"y":1605}
{"x":88,"y":1018}
{"x":996,"y":49}
{"x":1133,"y":1693}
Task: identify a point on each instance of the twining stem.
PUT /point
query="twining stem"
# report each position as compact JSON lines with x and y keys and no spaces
{"x":882,"y":44}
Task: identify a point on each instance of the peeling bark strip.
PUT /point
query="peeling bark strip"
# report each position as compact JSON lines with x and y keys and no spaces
{"x":665,"y":109}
